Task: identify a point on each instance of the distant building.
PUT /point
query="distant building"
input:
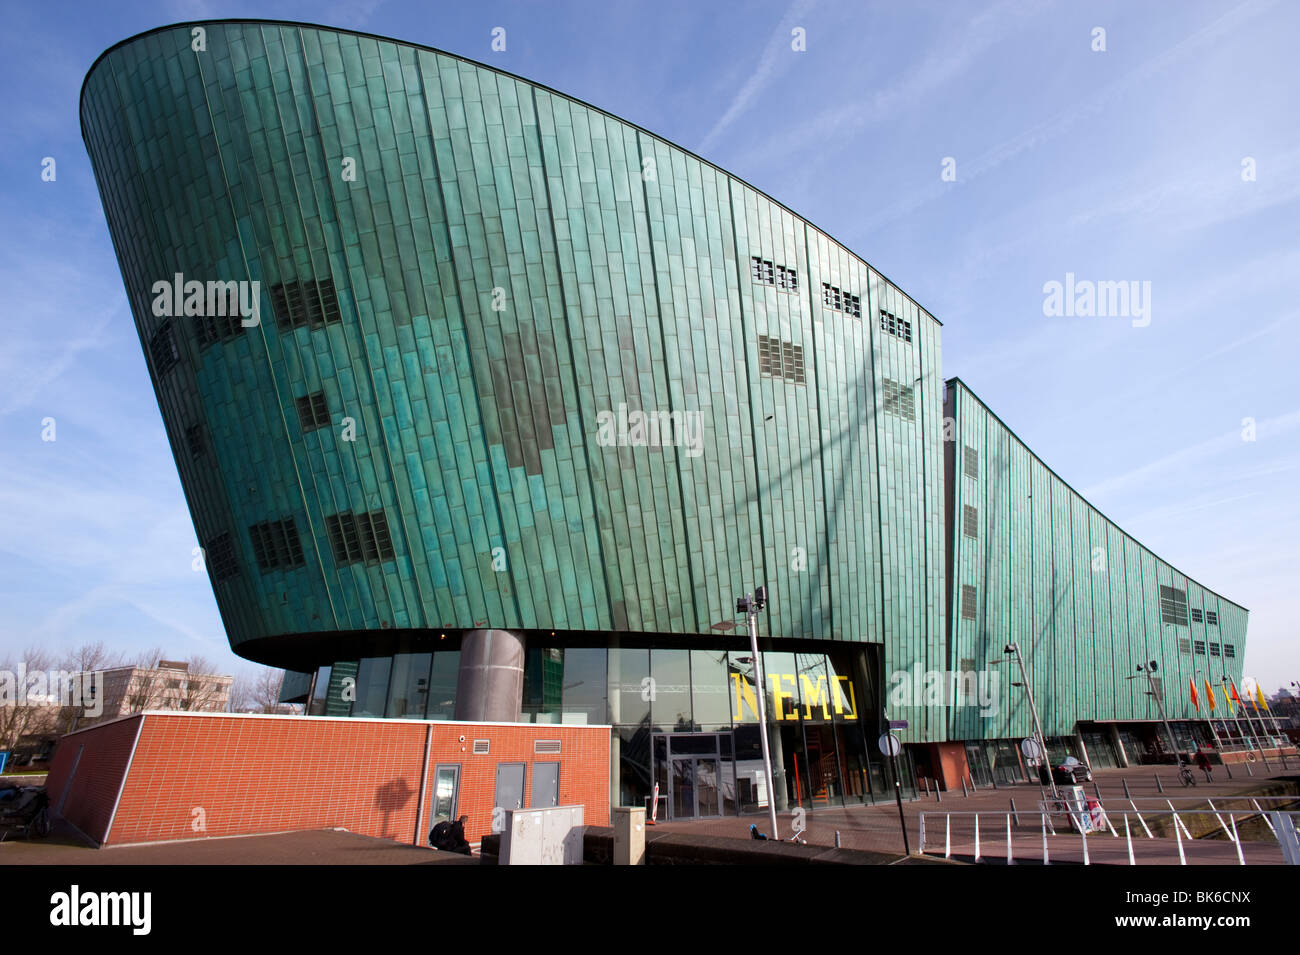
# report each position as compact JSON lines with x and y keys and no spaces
{"x":168,"y":686}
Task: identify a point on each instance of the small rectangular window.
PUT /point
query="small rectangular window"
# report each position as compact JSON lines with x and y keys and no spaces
{"x":792,"y":362}
{"x":898,"y":327}
{"x":219,"y":328}
{"x":967,"y":602}
{"x":970,"y":461}
{"x":219,"y":555}
{"x":313,"y":412}
{"x":1196,"y":615}
{"x":1173,"y":606}
{"x":969,"y":521}
{"x":276,"y":544}
{"x":312,"y":303}
{"x":1214,"y":649}
{"x":163,"y":349}
{"x":1200,"y":648}
{"x":1229,"y":651}
{"x":1212,"y":618}
{"x":1185,"y":645}
{"x":899,"y":399}
{"x":778,"y":359}
{"x":360,"y":538}
{"x":841,"y":301}
{"x":194,"y":440}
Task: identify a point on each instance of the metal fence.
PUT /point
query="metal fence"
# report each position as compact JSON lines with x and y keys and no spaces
{"x":1119,"y":836}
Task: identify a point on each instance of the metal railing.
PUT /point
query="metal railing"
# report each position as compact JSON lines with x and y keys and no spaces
{"x":997,"y":836}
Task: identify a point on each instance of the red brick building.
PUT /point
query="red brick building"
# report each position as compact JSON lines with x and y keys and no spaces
{"x":166,"y":775}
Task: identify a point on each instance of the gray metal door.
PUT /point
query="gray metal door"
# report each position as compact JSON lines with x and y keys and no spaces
{"x":510,"y":785}
{"x":546,"y":785}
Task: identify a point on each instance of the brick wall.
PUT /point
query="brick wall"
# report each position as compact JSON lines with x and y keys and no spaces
{"x":94,"y":761}
{"x":200,"y":774}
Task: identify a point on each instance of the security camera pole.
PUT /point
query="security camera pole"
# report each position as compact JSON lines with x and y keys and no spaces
{"x":750,"y":605}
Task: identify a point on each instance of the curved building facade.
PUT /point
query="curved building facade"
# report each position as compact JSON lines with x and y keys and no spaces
{"x":489,"y":404}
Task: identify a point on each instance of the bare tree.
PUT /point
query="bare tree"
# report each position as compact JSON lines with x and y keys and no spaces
{"x":242,"y":698}
{"x":200,"y":689}
{"x":87,"y":659}
{"x":24,"y":716}
{"x":266,"y":694}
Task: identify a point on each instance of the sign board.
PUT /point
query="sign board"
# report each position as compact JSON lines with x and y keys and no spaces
{"x":1030,"y":748}
{"x":888,"y":744}
{"x":898,"y":724}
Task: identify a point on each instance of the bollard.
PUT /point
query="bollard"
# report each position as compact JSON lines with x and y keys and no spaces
{"x":1127,"y":794}
{"x":1159,"y":785}
{"x":926,"y":780}
{"x":1249,"y":769}
{"x":938,"y":795}
{"x":964,"y":790}
{"x":1014,"y":813}
{"x":1128,"y":837}
{"x":837,"y":839}
{"x":1010,"y":858}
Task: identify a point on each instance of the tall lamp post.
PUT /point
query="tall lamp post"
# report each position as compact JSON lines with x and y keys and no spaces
{"x":1149,"y":669}
{"x":1014,"y":648}
{"x":750,"y":605}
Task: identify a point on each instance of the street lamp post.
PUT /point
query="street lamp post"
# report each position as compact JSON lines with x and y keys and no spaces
{"x":1149,"y":669}
{"x":750,"y":605}
{"x":1033,"y":710}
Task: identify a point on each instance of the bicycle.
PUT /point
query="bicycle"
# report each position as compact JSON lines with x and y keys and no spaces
{"x":1186,"y":776}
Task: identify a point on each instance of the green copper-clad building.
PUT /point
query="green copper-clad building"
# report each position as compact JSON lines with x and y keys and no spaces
{"x":488,"y":405}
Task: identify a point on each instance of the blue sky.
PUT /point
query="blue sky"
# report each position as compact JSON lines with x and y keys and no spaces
{"x":1117,"y":165}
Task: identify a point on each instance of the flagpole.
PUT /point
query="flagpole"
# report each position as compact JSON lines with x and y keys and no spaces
{"x":1249,"y":722}
{"x":1276,"y":734}
{"x":1236,"y":720}
{"x":1218,"y":744}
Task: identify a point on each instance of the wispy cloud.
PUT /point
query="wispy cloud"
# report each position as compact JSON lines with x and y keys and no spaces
{"x":776,"y":57}
{"x":1150,"y":474}
{"x":1067,"y":119}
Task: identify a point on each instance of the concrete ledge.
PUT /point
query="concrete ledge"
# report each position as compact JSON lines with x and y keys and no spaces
{"x":677,"y":848}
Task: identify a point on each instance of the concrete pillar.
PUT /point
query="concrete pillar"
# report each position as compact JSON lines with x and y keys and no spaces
{"x":490,"y":683}
{"x":1119,"y":745}
{"x":629,"y":835}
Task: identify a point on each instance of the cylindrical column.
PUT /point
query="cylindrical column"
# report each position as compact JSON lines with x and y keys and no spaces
{"x":490,"y":683}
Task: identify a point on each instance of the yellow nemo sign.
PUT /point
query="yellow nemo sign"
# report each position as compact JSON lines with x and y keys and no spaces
{"x":816,"y":695}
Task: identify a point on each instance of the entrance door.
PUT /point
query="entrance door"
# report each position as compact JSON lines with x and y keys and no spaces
{"x":510,"y":785}
{"x":693,"y":787}
{"x":546,"y":785}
